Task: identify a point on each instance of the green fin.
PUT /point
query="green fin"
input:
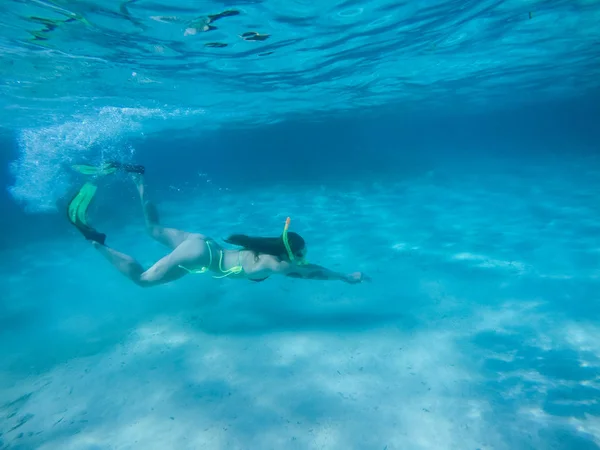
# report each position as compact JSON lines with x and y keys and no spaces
{"x":108,"y":168}
{"x":80,"y":203}
{"x":77,"y":213}
{"x":104,"y":169}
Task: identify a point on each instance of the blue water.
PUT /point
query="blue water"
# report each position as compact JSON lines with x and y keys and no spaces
{"x":448,"y":149}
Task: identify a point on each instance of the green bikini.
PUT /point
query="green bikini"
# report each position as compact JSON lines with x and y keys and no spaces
{"x":225,"y":273}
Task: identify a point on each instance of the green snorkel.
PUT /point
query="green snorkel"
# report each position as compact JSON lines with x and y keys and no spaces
{"x":286,"y":243}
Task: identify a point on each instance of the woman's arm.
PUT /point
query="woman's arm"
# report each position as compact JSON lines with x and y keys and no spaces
{"x":313,"y":272}
{"x":316,"y":272}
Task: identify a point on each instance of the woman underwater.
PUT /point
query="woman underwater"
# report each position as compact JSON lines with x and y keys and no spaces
{"x":256,"y":259}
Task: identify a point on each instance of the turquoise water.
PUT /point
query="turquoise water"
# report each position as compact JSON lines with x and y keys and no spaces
{"x":74,"y":57}
{"x":447,"y":149}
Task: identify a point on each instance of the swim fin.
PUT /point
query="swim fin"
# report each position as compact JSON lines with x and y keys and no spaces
{"x":77,"y":213}
{"x":104,"y":169}
{"x":109,"y":168}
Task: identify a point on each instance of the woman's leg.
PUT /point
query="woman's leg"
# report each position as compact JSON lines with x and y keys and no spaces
{"x":189,"y":249}
{"x":189,"y":253}
{"x":170,"y":237}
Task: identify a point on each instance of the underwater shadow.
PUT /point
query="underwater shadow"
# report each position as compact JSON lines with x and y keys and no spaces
{"x":282,"y":310}
{"x":217,"y":309}
{"x":272,"y":321}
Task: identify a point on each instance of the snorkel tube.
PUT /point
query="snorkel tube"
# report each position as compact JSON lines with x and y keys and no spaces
{"x":286,"y":243}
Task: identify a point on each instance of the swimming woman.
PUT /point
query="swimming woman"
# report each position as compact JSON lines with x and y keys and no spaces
{"x":256,"y":259}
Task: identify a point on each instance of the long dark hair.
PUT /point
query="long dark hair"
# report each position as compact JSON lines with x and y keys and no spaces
{"x":269,"y":245}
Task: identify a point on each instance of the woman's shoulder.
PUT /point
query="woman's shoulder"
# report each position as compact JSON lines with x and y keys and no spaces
{"x":265,"y":262}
